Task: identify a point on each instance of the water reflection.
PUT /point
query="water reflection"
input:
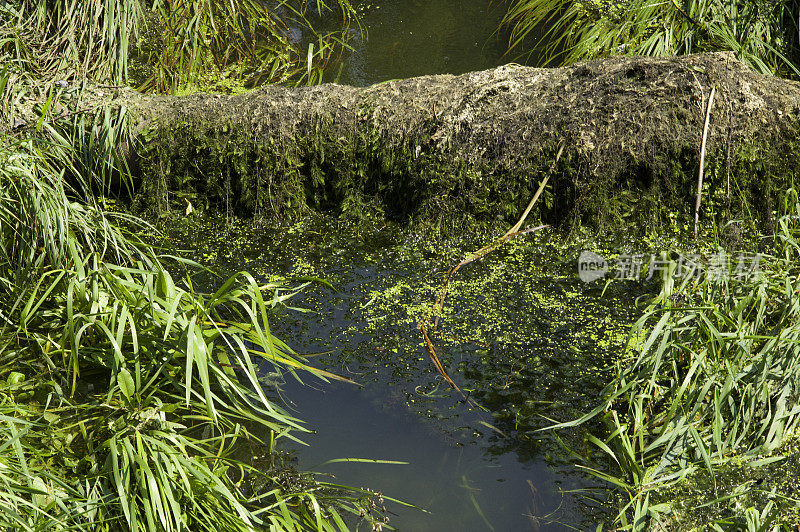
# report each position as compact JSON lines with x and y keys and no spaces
{"x":407,"y":38}
{"x":472,"y":469}
{"x":447,"y":475}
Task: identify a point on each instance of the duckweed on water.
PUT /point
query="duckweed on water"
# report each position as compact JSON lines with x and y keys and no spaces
{"x":520,"y":332}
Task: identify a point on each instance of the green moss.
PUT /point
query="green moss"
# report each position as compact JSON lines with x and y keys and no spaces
{"x":766,"y":483}
{"x":468,"y":150}
{"x":233,"y":168}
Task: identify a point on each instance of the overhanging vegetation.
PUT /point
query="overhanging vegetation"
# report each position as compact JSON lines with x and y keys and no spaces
{"x":126,"y":397}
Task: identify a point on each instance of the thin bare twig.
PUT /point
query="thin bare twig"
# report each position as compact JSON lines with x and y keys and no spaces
{"x":702,"y":165}
{"x":424,"y":324}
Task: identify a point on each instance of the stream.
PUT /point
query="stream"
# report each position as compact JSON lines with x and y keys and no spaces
{"x":407,"y":38}
{"x":524,"y":338}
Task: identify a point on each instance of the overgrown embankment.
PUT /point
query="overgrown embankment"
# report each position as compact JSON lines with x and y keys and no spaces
{"x":445,"y":148}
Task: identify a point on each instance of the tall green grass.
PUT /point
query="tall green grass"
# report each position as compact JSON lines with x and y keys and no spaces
{"x":763,"y":34}
{"x":125,"y":395}
{"x":713,"y":372}
{"x":128,"y":398}
{"x":168,"y":44}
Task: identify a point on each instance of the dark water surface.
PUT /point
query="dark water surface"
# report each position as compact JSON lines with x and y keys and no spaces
{"x":521,"y":335}
{"x":407,"y":38}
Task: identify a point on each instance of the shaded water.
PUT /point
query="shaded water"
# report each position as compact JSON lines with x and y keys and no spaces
{"x":449,"y":473}
{"x":407,"y":38}
{"x":543,"y":338}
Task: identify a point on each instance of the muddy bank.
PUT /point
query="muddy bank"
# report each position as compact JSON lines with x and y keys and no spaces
{"x":445,"y":148}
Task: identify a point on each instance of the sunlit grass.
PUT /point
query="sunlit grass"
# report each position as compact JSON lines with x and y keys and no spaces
{"x":713,"y":372}
{"x":167,"y":45}
{"x":128,"y":398}
{"x":762,"y":34}
{"x":125,"y":393}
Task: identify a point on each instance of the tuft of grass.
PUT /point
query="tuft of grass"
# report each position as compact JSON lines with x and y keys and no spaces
{"x":192,"y":42}
{"x":128,"y":398}
{"x":763,"y":34}
{"x":167,"y":45}
{"x":713,"y":373}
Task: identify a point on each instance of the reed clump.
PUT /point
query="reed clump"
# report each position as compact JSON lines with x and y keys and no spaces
{"x":711,"y":379}
{"x":762,"y":34}
{"x":167,"y":46}
{"x":125,"y":394}
{"x":127,"y":397}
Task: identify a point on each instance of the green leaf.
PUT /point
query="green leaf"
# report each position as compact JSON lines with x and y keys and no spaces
{"x":15,"y":377}
{"x":126,"y":384}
